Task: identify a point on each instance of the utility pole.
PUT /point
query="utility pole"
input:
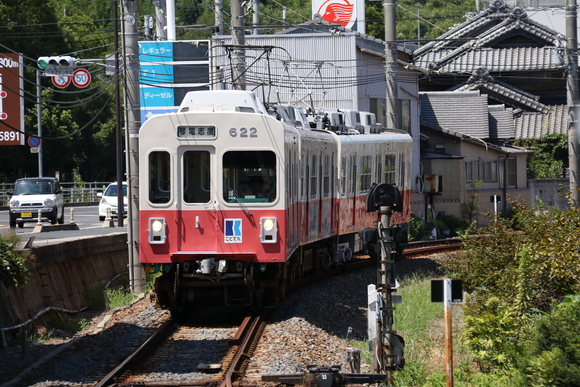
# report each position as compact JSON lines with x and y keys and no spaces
{"x":39,"y":122}
{"x":160,"y":19}
{"x":255,"y":16}
{"x":238,"y":41}
{"x":118,"y":137}
{"x":219,"y":18}
{"x":132,"y":125}
{"x":572,"y":97}
{"x":392,"y":98}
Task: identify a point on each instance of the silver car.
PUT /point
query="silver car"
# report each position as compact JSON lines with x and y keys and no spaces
{"x":32,"y":194}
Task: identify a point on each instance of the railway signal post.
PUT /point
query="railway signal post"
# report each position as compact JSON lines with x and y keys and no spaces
{"x":386,"y":199}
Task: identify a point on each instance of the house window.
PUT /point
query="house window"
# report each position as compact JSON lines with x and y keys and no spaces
{"x":508,"y":173}
{"x":440,"y":148}
{"x":481,"y":170}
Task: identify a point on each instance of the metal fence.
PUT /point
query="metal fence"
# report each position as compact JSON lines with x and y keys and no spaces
{"x":85,"y":192}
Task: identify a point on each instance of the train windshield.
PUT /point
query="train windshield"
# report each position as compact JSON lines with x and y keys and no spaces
{"x":249,"y":176}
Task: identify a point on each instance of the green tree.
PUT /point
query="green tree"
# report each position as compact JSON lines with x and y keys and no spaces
{"x":550,"y":157}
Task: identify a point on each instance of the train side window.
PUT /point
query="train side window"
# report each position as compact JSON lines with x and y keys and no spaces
{"x":353,"y":175}
{"x":249,"y":176}
{"x":313,"y":176}
{"x":379,"y":171}
{"x":365,"y":173}
{"x":326,"y":177}
{"x":159,"y":177}
{"x":343,"y":176}
{"x":196,"y":177}
{"x":390,"y":168}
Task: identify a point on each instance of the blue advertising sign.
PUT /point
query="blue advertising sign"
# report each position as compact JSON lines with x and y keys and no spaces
{"x":168,"y":70}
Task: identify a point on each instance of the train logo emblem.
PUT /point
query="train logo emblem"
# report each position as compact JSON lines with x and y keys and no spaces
{"x":233,"y":231}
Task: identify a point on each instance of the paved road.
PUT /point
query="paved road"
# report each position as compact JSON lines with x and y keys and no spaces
{"x":86,"y":217}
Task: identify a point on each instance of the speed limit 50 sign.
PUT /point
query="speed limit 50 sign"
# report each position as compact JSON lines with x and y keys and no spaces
{"x":81,"y":78}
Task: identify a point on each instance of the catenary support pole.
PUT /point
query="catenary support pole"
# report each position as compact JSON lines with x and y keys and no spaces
{"x":392,"y":97}
{"x":118,"y":137}
{"x":572,"y":99}
{"x":132,"y":125}
{"x":238,"y":41}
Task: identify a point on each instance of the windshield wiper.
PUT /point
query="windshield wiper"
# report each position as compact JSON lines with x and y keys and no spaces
{"x":232,"y":192}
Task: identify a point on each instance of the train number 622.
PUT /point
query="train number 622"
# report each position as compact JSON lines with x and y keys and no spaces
{"x":244,"y":132}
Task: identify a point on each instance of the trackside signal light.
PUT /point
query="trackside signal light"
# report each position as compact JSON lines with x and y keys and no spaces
{"x":63,"y":62}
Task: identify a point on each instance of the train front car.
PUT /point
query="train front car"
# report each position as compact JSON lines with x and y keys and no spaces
{"x":211,"y":209}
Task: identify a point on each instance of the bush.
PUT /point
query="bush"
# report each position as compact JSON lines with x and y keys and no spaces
{"x":449,"y":222}
{"x":553,"y":356}
{"x":13,"y":270}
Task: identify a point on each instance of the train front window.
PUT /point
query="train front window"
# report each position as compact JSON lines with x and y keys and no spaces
{"x":159,"y":177}
{"x":196,"y":177}
{"x":249,"y":176}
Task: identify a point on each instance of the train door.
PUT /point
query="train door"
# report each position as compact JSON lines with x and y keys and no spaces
{"x":194,"y":195}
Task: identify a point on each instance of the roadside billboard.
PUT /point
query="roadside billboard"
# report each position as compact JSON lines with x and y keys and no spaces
{"x":11,"y":100}
{"x":346,"y":13}
{"x":168,"y":70}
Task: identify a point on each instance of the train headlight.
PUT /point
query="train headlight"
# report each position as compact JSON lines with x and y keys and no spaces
{"x":157,"y":231}
{"x":268,"y":230}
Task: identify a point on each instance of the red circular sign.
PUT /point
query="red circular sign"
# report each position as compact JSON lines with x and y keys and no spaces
{"x":33,"y":141}
{"x":61,"y":81}
{"x":81,"y":78}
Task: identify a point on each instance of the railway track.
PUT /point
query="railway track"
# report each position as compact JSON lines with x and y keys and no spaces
{"x":189,"y":356}
{"x":422,"y":248}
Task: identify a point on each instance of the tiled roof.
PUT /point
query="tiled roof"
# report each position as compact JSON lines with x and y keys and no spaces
{"x":501,"y":123}
{"x":435,"y":108}
{"x":529,"y":125}
{"x":501,"y":91}
{"x":470,"y":44}
{"x":495,"y":60}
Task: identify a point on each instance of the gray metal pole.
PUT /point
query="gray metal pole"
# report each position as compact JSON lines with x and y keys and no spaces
{"x":219,"y":18}
{"x":39,"y":122}
{"x":132,"y":125}
{"x":392,"y":99}
{"x":160,"y":19}
{"x":255,"y":16}
{"x":238,"y":40}
{"x":118,"y":137}
{"x":573,"y":111}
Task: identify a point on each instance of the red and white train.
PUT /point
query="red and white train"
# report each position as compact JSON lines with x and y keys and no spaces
{"x":237,"y":200}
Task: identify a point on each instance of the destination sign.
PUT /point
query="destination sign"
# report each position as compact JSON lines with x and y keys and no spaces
{"x":196,"y":131}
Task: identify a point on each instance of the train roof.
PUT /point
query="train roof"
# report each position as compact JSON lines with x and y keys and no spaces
{"x":222,"y":100}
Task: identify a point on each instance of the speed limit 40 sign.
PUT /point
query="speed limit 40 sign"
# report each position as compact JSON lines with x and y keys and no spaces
{"x":81,"y":78}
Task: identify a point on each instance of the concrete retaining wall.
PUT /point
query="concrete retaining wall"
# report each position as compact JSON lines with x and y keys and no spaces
{"x":63,"y":275}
